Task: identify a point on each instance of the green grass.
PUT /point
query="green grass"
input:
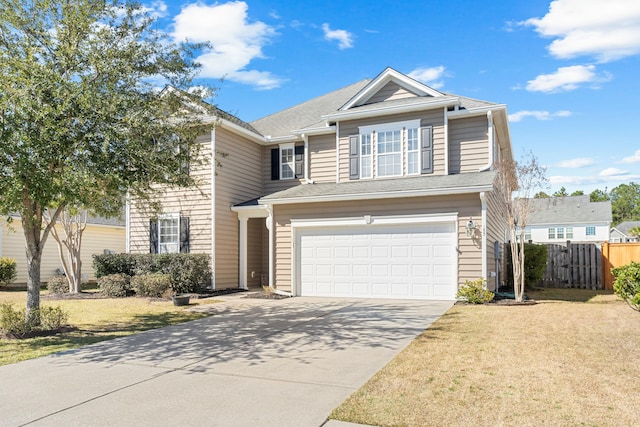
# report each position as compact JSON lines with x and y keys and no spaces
{"x":95,"y":319}
{"x":571,"y":359}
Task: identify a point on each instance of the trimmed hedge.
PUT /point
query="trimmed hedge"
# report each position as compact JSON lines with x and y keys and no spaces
{"x":114,"y":285}
{"x":151,"y":285}
{"x":189,"y":272}
{"x":58,"y":285}
{"x":627,"y":284}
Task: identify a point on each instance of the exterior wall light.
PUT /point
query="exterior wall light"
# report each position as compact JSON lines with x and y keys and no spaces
{"x":470,"y":228}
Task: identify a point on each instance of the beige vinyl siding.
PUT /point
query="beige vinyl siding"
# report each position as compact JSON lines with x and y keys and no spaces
{"x":95,"y":239}
{"x":470,"y":255}
{"x":390,"y":92}
{"x":237,"y":180}
{"x":272,"y":185}
{"x":468,"y":144}
{"x":322,"y":158}
{"x":191,"y":202}
{"x":434,"y":118}
{"x":496,"y":228}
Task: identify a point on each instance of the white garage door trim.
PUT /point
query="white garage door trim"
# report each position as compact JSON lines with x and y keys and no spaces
{"x":303,"y":227}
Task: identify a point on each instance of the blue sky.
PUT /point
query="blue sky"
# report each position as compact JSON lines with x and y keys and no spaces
{"x":568,"y":70}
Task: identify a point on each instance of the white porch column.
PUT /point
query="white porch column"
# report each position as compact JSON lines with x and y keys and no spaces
{"x":243,"y":252}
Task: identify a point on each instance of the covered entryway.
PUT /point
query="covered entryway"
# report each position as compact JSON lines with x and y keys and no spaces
{"x":384,"y":260}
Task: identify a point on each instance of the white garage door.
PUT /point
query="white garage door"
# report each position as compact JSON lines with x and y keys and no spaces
{"x":399,"y":261}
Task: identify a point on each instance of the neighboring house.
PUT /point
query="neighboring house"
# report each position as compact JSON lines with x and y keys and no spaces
{"x":621,"y":232}
{"x":367,"y":191}
{"x":100,"y":235}
{"x":574,"y":218}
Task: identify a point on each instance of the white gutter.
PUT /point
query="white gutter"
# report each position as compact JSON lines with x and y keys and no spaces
{"x":281,"y":139}
{"x":490,"y":140}
{"x":328,"y":129}
{"x":213,"y":209}
{"x":446,"y":141}
{"x":305,"y":138}
{"x":471,"y":112}
{"x":235,"y":128}
{"x":396,"y":109}
{"x":269,"y":223}
{"x":381,"y":195}
{"x":483,"y":228}
{"x":338,"y":153}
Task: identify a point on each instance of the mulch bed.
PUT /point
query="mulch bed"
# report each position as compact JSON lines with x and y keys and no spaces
{"x":265,"y":295}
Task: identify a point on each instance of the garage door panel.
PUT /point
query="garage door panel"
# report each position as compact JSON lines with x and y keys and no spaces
{"x":416,"y":261}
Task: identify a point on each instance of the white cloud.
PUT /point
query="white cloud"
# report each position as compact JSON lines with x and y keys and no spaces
{"x":431,"y":76}
{"x":634,"y":158}
{"x":610,"y":172}
{"x":566,"y":78}
{"x":579,"y":162}
{"x":344,"y":38}
{"x":158,"y":9}
{"x":604,"y":29}
{"x":235,"y":41}
{"x":539,"y":115}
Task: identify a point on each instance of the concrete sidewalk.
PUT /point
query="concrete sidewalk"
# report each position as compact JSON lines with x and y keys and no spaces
{"x":254,"y":363}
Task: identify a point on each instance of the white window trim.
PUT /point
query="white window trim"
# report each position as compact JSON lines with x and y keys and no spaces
{"x":284,"y":147}
{"x":362,"y":156}
{"x":373,"y":130}
{"x":173,"y":216}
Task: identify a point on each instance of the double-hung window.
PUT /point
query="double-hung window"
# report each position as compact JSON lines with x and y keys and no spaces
{"x":591,"y":230}
{"x":390,"y":150}
{"x":287,"y":161}
{"x":168,"y":234}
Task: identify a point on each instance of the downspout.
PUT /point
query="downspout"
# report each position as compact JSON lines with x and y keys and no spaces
{"x":337,"y":152}
{"x":127,"y":222}
{"x":490,"y":140}
{"x":269,"y":224}
{"x":213,"y":208}
{"x":307,"y":179}
{"x":483,"y":201}
{"x":446,"y":141}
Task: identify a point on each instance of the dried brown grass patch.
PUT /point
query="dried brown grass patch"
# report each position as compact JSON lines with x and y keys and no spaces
{"x":556,"y":363}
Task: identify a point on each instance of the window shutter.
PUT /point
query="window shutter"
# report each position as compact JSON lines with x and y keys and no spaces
{"x":299,"y":159}
{"x":275,"y":164}
{"x":427,"y":150}
{"x":153,"y":236}
{"x":354,"y":157}
{"x":184,"y":234}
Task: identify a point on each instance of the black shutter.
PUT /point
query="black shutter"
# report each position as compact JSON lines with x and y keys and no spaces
{"x":153,"y":236}
{"x":275,"y":164}
{"x":184,"y":234}
{"x":354,"y":157}
{"x":299,"y":160}
{"x":427,"y":150}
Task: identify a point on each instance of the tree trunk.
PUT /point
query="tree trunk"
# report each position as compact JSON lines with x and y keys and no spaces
{"x":34,"y":260}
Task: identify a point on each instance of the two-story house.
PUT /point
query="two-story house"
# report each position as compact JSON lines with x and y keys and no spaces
{"x":574,"y":218}
{"x":381,"y":189}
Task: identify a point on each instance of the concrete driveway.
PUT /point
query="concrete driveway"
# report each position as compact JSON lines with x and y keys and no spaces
{"x":255,"y":363}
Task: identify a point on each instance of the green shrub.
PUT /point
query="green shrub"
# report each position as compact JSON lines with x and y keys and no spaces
{"x":108,"y":264}
{"x":475,"y":292}
{"x":58,"y":285}
{"x":14,"y":321}
{"x":189,"y":272}
{"x":8,"y":270}
{"x":114,"y":285}
{"x":535,"y":263}
{"x":627,"y":284}
{"x":151,"y":285}
{"x":52,"y":318}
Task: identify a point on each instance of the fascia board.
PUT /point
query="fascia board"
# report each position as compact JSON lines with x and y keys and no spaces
{"x":478,"y":111}
{"x":380,"y":195}
{"x":232,"y":127}
{"x":315,"y":131}
{"x":396,"y":109}
{"x":281,"y":139}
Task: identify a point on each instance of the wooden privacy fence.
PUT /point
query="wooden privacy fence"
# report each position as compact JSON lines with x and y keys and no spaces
{"x":617,"y":255}
{"x":574,"y":265}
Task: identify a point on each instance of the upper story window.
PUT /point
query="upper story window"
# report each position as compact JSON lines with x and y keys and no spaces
{"x":391,"y":150}
{"x":552,"y":233}
{"x":591,"y":230}
{"x":569,"y":231}
{"x":287,"y":162}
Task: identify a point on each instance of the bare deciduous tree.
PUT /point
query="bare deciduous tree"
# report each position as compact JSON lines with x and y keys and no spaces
{"x":521,"y":179}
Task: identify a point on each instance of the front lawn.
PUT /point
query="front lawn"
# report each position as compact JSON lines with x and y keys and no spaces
{"x":571,"y":359}
{"x":95,"y":319}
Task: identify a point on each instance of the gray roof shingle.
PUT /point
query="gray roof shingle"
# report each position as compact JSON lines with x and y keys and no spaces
{"x":436,"y":184}
{"x":568,"y":210}
{"x":626,"y":226}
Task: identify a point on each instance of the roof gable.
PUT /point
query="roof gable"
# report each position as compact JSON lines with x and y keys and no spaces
{"x":390,"y":84}
{"x":568,"y":210}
